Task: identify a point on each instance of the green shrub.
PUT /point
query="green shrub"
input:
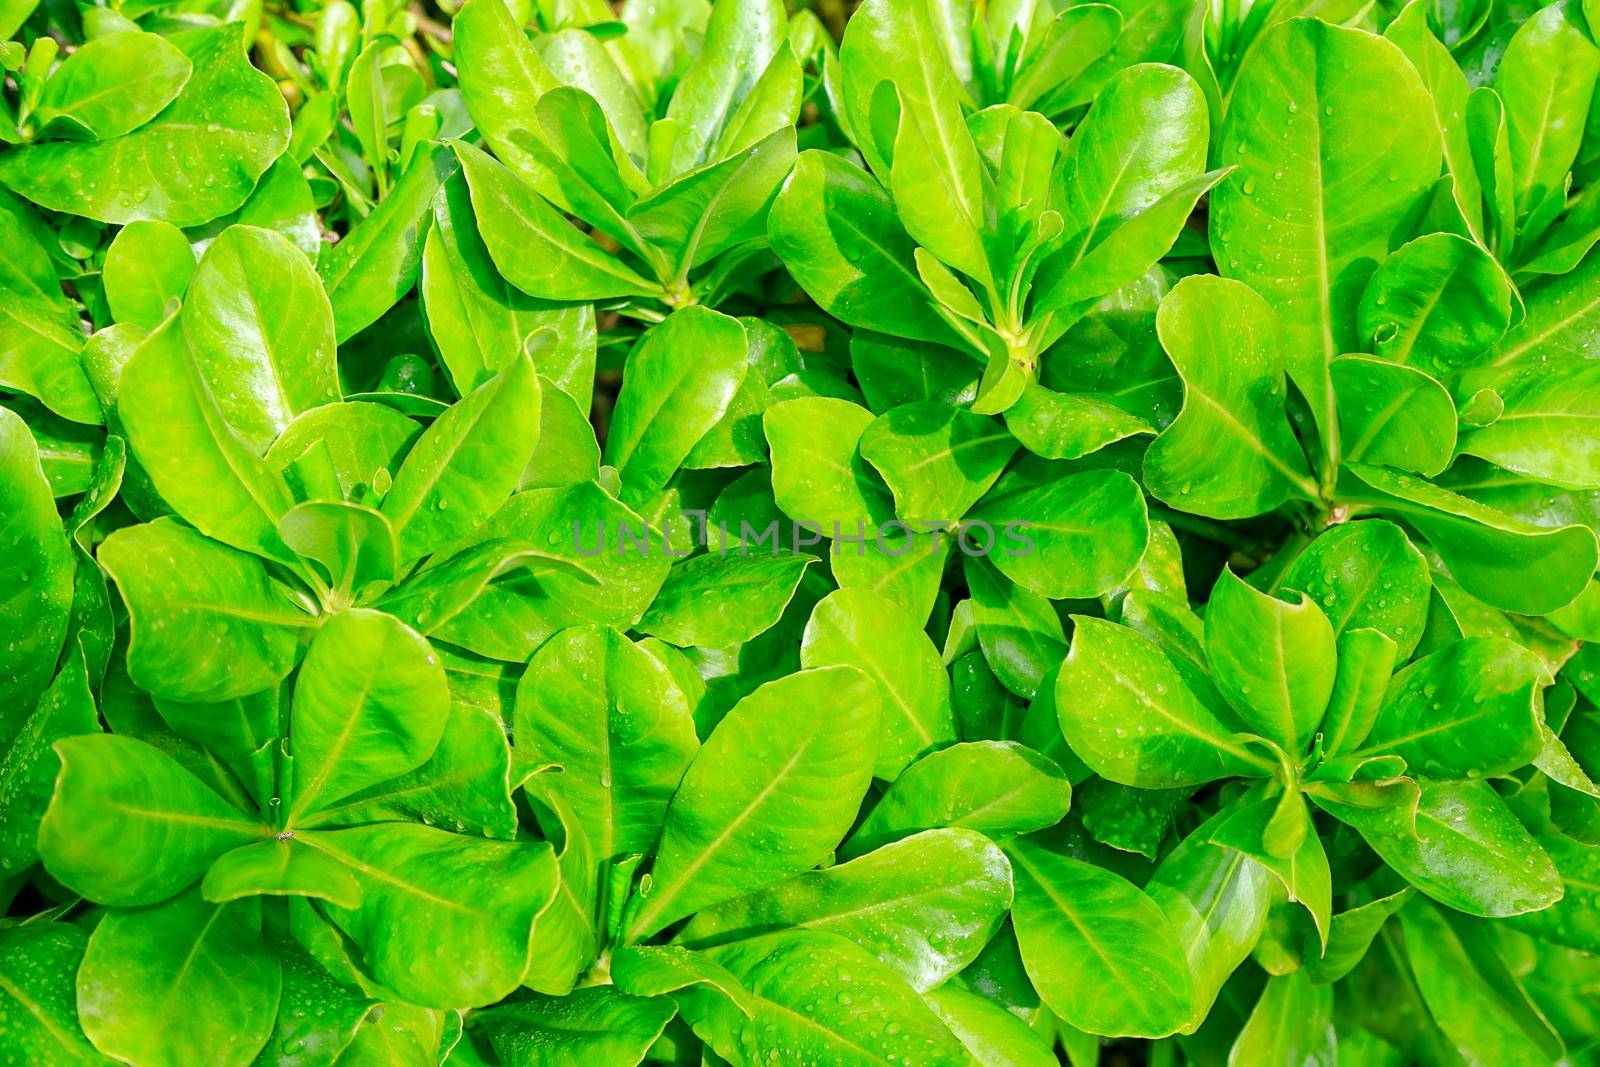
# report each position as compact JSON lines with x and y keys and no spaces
{"x":702,"y":533}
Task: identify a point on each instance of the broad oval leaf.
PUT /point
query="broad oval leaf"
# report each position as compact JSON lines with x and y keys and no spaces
{"x":769,"y":794}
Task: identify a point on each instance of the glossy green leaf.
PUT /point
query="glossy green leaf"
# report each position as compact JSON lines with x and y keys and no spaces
{"x":1463,"y":848}
{"x":128,"y":826}
{"x":1130,"y":714}
{"x":681,"y":379}
{"x":261,"y":331}
{"x":1101,"y":953}
{"x":1313,"y":105}
{"x":889,"y":901}
{"x":370,"y":703}
{"x":999,"y":788}
{"x":113,"y":85}
{"x":207,"y":621}
{"x":210,"y":958}
{"x":769,"y":794}
{"x":198,"y":159}
{"x":1229,"y":348}
{"x":857,"y":628}
{"x":36,"y":575}
{"x":1274,"y":661}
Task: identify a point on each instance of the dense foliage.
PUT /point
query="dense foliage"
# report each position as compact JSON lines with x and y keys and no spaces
{"x":914,"y":533}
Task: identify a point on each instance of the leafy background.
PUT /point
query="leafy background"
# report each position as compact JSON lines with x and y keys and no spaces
{"x":331,"y":339}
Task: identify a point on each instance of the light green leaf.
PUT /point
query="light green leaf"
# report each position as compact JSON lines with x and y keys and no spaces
{"x":1227,"y":345}
{"x":769,"y":794}
{"x":998,"y":788}
{"x":1101,"y":953}
{"x":128,"y":826}
{"x":199,"y":158}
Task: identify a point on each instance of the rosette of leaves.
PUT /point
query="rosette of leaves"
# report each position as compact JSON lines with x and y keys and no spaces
{"x":238,"y":848}
{"x":1403,"y":348}
{"x":671,"y":188}
{"x":1295,"y":697}
{"x":291,"y":505}
{"x":731,"y":927}
{"x":984,"y":232}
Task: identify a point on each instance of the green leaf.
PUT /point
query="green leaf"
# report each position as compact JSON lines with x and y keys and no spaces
{"x":40,"y":337}
{"x":582,"y":524}
{"x":936,"y":459}
{"x":1019,"y":631}
{"x":1291,"y":1023}
{"x":1549,"y":414}
{"x":128,"y":826}
{"x":1070,"y":425}
{"x":112,"y":85}
{"x":148,"y":266}
{"x":1560,"y":322}
{"x":479,"y":321}
{"x":533,"y":244}
{"x":1438,"y":304}
{"x":1128,"y":712}
{"x":198,"y":159}
{"x":467,"y":463}
{"x":769,"y":794}
{"x":818,"y":477}
{"x":742,"y":38}
{"x":1473,"y":708}
{"x":1573,"y":920}
{"x":1314,"y":104}
{"x":1350,"y":935}
{"x":38,"y":998}
{"x":1366,"y":575}
{"x":1101,"y":953}
{"x":990,"y":1033}
{"x":857,"y":628}
{"x":1506,"y":562}
{"x":1471,"y":994}
{"x":261,"y":331}
{"x":1273,"y":660}
{"x":836,"y":230}
{"x":502,"y":78}
{"x":1392,"y":416}
{"x":612,"y":717}
{"x":1303,"y":870}
{"x":378,"y":261}
{"x":1074,"y":536}
{"x":892,"y":902}
{"x":998,"y":788}
{"x":209,"y":958}
{"x":679,"y":382}
{"x":1217,"y":900}
{"x":35,"y":575}
{"x":28,"y":767}
{"x":445,"y":920}
{"x":1546,"y":78}
{"x":370,"y":703}
{"x":771,"y":1004}
{"x":198,"y":463}
{"x":355,"y":545}
{"x":207,"y":622}
{"x":594,"y":1025}
{"x":1227,"y":345}
{"x":1464,"y":848}
{"x":282,"y":867}
{"x":714,"y":208}
{"x":717,"y":601}
{"x":1143,"y":142}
